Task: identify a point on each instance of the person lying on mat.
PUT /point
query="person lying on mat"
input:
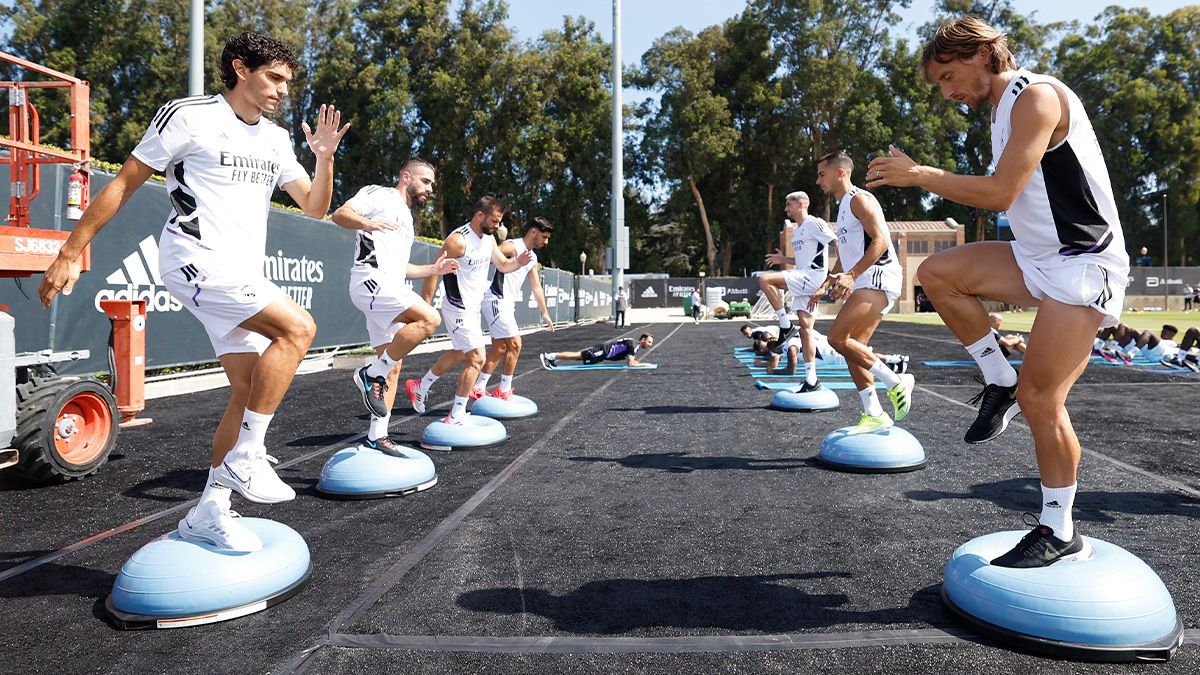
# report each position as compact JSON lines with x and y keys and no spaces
{"x":618,"y":350}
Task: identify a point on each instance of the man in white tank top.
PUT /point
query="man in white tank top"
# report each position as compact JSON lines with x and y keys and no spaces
{"x":810,"y":256}
{"x":473,"y":246}
{"x":868,"y":278}
{"x":397,"y":318}
{"x":1068,"y":257}
{"x":500,"y":308}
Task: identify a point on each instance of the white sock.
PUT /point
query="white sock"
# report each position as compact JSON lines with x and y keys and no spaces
{"x":870,"y":401}
{"x":784,"y":321}
{"x":884,"y":374}
{"x":253,"y":434}
{"x":506,"y":382}
{"x":1057,"y":504}
{"x":381,"y":366}
{"x":550,"y":355}
{"x":482,"y":381}
{"x":810,"y":372}
{"x":996,"y":369}
{"x":459,"y":408}
{"x":379,"y":427}
{"x":427,"y":382}
{"x":219,"y":495}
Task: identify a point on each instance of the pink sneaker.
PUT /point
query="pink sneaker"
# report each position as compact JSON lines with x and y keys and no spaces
{"x":476,"y":394}
{"x":460,"y":422}
{"x":502,"y":394}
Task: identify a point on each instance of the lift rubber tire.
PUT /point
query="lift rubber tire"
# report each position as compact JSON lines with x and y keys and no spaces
{"x":66,"y":427}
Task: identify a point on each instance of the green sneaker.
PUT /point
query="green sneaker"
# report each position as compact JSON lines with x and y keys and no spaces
{"x":868,"y":423}
{"x":901,"y":395}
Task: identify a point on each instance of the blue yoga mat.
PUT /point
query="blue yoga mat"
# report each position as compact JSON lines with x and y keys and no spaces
{"x":605,"y":366}
{"x":800,"y":374}
{"x":788,"y":386}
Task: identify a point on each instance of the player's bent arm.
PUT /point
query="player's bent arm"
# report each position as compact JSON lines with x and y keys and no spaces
{"x":65,"y":269}
{"x":866,"y":209}
{"x":453,"y":247}
{"x":1034,"y":117}
{"x":506,"y":264}
{"x":535,"y":286}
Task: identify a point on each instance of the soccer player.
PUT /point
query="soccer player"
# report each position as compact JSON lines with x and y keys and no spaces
{"x":223,"y":157}
{"x":397,"y":318}
{"x":618,"y":350}
{"x":868,"y":277}
{"x":473,"y":246}
{"x":1067,"y":258}
{"x":810,"y":239}
{"x":500,"y":309}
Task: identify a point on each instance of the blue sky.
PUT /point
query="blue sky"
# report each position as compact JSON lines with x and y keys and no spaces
{"x":645,"y":20}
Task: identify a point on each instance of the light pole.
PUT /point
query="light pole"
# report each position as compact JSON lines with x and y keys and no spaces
{"x":579,"y":286}
{"x":196,"y":49}
{"x":1166,"y":276}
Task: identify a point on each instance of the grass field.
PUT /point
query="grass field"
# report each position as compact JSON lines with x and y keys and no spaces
{"x":1023,"y":321}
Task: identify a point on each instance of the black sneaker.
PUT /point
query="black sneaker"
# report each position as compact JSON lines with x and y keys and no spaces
{"x":1040,"y":548}
{"x":997,"y":405}
{"x":373,"y":390}
{"x":1191,"y":364}
{"x":806,"y":387}
{"x":785,"y":334}
{"x":384,"y":445}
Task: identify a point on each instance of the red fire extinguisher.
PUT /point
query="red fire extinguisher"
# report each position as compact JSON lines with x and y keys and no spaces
{"x":77,"y":193}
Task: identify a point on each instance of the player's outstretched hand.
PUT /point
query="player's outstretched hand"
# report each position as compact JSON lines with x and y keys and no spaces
{"x":324,"y":141}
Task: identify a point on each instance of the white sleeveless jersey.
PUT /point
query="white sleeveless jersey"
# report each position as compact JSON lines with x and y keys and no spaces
{"x":465,"y":288}
{"x":506,"y":286}
{"x":384,"y":254}
{"x":853,"y":240}
{"x":220,"y":175}
{"x":1066,"y":213}
{"x":810,"y":241}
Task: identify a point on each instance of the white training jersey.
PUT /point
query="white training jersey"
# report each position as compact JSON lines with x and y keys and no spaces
{"x":810,"y":240}
{"x":1066,"y":213}
{"x":220,"y":173}
{"x":465,"y":288}
{"x":506,"y":286}
{"x":853,"y":240}
{"x":382,"y":255}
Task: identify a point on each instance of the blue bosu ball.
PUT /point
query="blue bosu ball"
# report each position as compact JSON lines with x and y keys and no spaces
{"x":477,"y":432}
{"x":1110,"y":607}
{"x":172,"y":582}
{"x":813,"y":401}
{"x":890,"y":450}
{"x":498,"y":408}
{"x":365,"y":473}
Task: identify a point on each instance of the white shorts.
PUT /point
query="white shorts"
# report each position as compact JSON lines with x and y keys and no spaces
{"x":1082,"y":284}
{"x":886,"y":278}
{"x":381,"y":302}
{"x":803,"y":284}
{"x":463,"y":327}
{"x":501,"y":318}
{"x":221,"y":300}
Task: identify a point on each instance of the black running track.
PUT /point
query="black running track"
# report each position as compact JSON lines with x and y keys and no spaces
{"x":658,"y":522}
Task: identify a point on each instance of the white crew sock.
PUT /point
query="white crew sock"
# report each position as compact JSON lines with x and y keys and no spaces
{"x":884,"y":374}
{"x":870,"y":401}
{"x":506,"y":382}
{"x":381,"y":366}
{"x":481,"y":382}
{"x":459,"y":408}
{"x":427,"y":382}
{"x":996,"y":369}
{"x":1057,"y":504}
{"x":379,"y":427}
{"x":253,"y":434}
{"x":219,"y":495}
{"x":810,"y":372}
{"x":784,"y":321}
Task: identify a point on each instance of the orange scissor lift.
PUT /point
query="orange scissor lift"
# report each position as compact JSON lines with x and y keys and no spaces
{"x":55,"y":427}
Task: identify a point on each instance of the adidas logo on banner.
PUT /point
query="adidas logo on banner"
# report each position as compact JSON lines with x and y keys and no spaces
{"x":649,"y":292}
{"x":138,"y":279}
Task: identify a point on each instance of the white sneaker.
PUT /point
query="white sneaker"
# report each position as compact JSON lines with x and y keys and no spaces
{"x":254,"y":478}
{"x":211,"y":524}
{"x":460,"y":421}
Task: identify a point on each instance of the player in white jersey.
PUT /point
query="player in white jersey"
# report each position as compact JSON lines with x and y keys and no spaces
{"x":474,"y":247}
{"x":500,"y":306}
{"x":223,"y":158}
{"x":867,"y":277}
{"x":397,"y":318}
{"x":810,"y":248}
{"x":1068,"y":257}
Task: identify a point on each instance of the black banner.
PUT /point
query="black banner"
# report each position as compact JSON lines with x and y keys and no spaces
{"x":647,"y":293}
